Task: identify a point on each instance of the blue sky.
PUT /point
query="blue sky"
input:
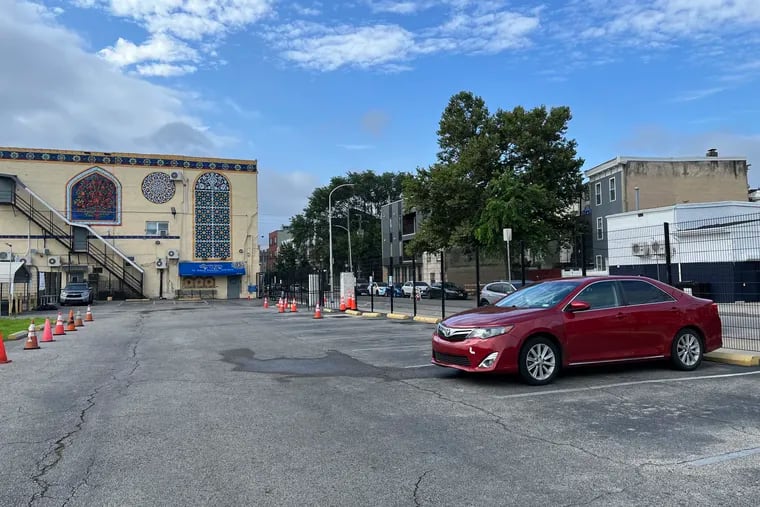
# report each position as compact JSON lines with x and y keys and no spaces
{"x":314,"y":89}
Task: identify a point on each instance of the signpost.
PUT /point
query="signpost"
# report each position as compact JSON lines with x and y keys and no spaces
{"x":507,"y":238}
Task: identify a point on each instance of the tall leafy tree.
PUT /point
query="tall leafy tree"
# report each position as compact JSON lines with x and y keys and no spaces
{"x":512,"y":169}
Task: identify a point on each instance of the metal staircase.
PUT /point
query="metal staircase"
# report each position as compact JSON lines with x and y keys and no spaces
{"x":78,"y":238}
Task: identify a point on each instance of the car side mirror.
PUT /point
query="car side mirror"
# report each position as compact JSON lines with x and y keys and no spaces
{"x":578,"y":306}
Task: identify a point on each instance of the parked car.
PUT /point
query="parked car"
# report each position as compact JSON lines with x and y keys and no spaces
{"x":395,"y":289}
{"x":378,"y":288}
{"x":76,"y":293}
{"x":554,"y":324}
{"x":451,"y":290}
{"x":421,"y":288}
{"x":362,"y":289}
{"x":494,"y":291}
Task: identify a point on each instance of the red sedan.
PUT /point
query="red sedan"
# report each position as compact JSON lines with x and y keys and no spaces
{"x":579,"y":321}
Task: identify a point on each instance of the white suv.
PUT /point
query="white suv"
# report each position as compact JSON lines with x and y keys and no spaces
{"x":422,"y":289}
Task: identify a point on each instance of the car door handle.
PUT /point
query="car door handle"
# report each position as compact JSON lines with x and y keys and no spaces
{"x":620,"y":315}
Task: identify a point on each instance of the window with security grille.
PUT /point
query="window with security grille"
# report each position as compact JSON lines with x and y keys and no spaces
{"x":156,"y":228}
{"x":212,"y":217}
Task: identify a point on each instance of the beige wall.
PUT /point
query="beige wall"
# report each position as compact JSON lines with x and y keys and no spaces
{"x":49,"y":179}
{"x":668,"y":183}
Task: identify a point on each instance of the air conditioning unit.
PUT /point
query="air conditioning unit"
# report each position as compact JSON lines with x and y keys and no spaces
{"x":172,"y":254}
{"x":656,"y":247}
{"x":640,"y":249}
{"x":177,"y":176}
{"x":161,"y":263}
{"x":54,"y":260}
{"x":5,"y":256}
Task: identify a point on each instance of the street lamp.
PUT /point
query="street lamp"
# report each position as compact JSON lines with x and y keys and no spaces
{"x":329,"y":226}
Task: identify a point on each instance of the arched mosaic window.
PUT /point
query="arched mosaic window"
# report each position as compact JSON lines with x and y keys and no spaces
{"x":212,"y":217}
{"x":94,"y":197}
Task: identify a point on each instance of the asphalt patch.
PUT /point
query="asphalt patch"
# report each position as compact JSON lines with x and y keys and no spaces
{"x":332,"y":364}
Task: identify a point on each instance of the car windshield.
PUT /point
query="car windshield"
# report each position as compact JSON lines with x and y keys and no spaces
{"x":421,"y":284}
{"x":541,"y":295}
{"x":76,"y":286}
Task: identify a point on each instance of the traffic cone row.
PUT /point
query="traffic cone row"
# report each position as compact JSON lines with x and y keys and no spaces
{"x":48,"y":332}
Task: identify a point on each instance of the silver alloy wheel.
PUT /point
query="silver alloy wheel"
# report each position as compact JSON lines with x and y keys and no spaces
{"x":540,"y":361}
{"x":688,"y":349}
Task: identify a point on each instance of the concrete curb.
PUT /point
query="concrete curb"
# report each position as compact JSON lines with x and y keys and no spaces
{"x":372,"y":315}
{"x":737,"y":358}
{"x":398,"y":316}
{"x":20,"y":334}
{"x":427,"y":320}
{"x":355,"y":313}
{"x":136,"y":300}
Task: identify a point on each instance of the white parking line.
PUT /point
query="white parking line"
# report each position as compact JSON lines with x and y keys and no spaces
{"x":419,"y":365}
{"x":624,"y":384}
{"x":425,"y":346}
{"x":724,"y":457}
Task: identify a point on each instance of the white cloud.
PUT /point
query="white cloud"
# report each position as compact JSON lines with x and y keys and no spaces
{"x":160,"y":48}
{"x":660,"y":20}
{"x":164,"y":69}
{"x":283,"y":195}
{"x":320,"y":47}
{"x":389,"y":46}
{"x":73,"y":99}
{"x":173,"y":25}
{"x":692,"y":95}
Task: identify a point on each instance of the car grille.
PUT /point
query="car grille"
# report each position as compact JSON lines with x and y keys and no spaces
{"x":452,"y":334}
{"x":451,"y":359}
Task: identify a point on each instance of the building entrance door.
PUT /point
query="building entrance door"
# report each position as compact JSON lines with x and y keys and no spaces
{"x":234,"y":285}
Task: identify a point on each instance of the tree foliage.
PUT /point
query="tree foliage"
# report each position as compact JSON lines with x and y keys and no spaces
{"x":356,"y":208}
{"x":512,"y":169}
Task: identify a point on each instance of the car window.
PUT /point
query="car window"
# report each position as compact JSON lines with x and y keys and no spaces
{"x":76,"y":286}
{"x":497,"y":287}
{"x":642,"y":293}
{"x":599,"y":295}
{"x":540,"y":295}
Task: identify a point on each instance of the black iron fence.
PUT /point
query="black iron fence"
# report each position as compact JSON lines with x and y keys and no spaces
{"x":714,"y":258}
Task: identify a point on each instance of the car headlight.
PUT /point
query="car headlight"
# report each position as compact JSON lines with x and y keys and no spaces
{"x":63,"y":293}
{"x":489,"y":332}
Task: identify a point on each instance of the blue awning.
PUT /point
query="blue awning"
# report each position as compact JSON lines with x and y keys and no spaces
{"x":211,"y":268}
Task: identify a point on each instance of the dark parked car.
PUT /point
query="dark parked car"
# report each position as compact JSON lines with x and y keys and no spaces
{"x":451,"y":290}
{"x":549,"y":325}
{"x":76,"y":293}
{"x":362,"y":289}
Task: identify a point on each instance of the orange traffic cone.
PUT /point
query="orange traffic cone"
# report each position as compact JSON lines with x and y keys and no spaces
{"x":280,"y":306}
{"x":3,"y":356}
{"x":266,"y":302}
{"x":31,"y":338}
{"x":78,"y":321}
{"x":317,"y":312}
{"x":353,"y":302}
{"x":59,"y":331}
{"x":342,"y":304}
{"x":47,"y":332}
{"x":70,"y":325}
{"x":293,"y":306}
{"x":88,"y":315}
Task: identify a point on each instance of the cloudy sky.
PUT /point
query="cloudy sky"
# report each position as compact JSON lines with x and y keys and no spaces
{"x":315,"y":88}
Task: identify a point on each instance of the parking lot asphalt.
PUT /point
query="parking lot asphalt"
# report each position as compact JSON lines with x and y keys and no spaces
{"x":226,"y":403}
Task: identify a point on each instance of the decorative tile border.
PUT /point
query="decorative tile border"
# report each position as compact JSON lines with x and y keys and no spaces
{"x":72,"y":157}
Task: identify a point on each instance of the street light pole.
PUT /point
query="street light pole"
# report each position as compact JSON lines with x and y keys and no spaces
{"x":329,"y":226}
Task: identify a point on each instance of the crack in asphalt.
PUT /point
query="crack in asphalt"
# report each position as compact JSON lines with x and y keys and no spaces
{"x":81,"y":483}
{"x":58,"y":449}
{"x":417,"y":487}
{"x":498,"y":420}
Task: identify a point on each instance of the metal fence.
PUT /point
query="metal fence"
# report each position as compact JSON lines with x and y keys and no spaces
{"x":715,"y":258}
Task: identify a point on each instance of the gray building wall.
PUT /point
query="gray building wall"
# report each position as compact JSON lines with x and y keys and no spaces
{"x":600,"y":210}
